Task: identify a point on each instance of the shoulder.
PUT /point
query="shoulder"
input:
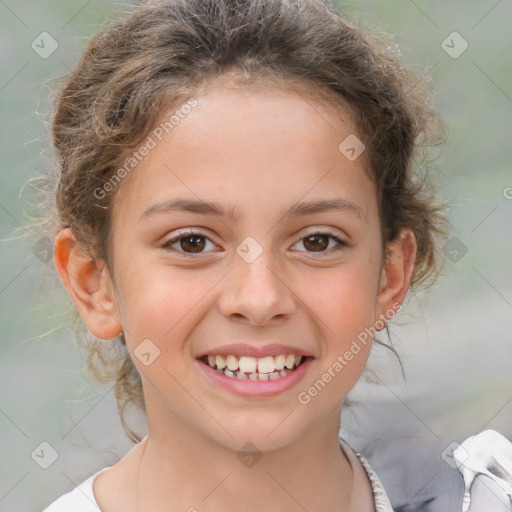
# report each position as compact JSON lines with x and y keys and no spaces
{"x":425,"y":473}
{"x":80,"y":499}
{"x":425,"y":477}
{"x":110,"y":484}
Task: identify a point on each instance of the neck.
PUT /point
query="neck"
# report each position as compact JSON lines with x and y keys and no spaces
{"x":183,"y":467}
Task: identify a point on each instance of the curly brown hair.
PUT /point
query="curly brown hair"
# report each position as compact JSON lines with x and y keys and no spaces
{"x":159,"y":53}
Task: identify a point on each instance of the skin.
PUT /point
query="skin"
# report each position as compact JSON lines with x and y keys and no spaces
{"x":259,"y":152}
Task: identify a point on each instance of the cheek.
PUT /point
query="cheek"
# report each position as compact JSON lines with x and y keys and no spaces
{"x":343,"y":303}
{"x":343,"y":300}
{"x":163,"y":305}
{"x":159,"y":313}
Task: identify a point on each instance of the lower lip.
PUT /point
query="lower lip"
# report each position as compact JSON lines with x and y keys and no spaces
{"x":262,"y":388}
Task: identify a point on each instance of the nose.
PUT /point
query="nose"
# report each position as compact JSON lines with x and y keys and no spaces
{"x":257,"y":292}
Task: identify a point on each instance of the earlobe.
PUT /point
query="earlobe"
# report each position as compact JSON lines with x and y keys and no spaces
{"x":89,"y":285}
{"x":396,"y":275}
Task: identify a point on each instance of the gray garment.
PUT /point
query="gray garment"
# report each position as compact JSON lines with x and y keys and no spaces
{"x":413,"y":464}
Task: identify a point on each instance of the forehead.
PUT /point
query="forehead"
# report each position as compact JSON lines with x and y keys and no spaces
{"x":249,"y":148}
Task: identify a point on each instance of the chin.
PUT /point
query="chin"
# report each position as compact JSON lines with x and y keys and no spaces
{"x":267,"y":434}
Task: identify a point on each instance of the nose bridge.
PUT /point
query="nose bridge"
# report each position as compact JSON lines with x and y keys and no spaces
{"x":256,"y":289}
{"x":262,"y":273}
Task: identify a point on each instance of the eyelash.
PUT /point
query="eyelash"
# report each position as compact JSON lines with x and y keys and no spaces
{"x":168,"y":245}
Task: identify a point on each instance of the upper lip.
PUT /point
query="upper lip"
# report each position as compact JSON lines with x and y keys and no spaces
{"x":243,"y":349}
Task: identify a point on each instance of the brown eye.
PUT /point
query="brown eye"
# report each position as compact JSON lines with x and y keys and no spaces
{"x":190,"y":243}
{"x":316,"y":242}
{"x":319,"y":242}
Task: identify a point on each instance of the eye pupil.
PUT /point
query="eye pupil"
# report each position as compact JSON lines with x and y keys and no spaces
{"x":316,"y":237}
{"x":195,"y":242}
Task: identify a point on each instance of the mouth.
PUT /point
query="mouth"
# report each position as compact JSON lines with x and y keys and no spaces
{"x":254,"y":377}
{"x":255,"y":368}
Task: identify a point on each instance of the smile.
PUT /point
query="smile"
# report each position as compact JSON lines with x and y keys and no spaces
{"x":253,"y":368}
{"x":254,"y":377}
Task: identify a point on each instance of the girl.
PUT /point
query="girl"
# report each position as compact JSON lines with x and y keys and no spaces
{"x":237,"y":206}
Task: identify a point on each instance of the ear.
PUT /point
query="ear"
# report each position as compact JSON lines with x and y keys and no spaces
{"x":89,"y":285}
{"x":396,"y":275}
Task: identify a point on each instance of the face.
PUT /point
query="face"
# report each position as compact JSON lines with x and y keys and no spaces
{"x":259,"y":268}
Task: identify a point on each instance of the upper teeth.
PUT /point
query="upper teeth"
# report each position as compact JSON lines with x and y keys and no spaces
{"x":248,"y":364}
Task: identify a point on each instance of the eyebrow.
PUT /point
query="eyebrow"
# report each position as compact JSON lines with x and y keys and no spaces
{"x":211,"y":208}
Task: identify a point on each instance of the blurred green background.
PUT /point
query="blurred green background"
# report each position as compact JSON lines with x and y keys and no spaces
{"x":455,"y":340}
